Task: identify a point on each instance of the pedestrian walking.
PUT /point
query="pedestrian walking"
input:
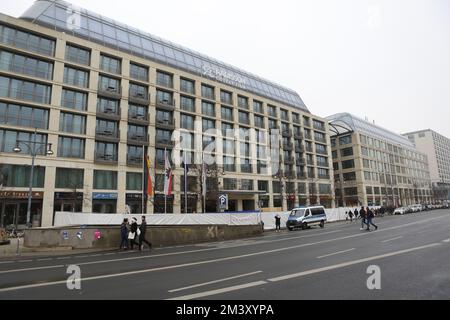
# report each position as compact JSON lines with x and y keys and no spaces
{"x":370,"y":216}
{"x":277,"y":222}
{"x":350,"y":215}
{"x":132,"y":235}
{"x":362,"y":214}
{"x":124,"y":235}
{"x":143,"y":229}
{"x":356,"y":213}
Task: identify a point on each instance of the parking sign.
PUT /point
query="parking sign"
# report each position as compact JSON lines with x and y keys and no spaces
{"x":223,"y":202}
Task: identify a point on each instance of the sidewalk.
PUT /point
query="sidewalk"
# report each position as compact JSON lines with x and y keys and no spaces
{"x":10,"y":251}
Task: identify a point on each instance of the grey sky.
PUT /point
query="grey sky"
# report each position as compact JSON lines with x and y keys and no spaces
{"x":387,"y":60}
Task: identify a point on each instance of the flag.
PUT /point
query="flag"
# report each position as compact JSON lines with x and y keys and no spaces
{"x":203,"y":177}
{"x":186,"y":171}
{"x":168,"y":175}
{"x":149,"y":177}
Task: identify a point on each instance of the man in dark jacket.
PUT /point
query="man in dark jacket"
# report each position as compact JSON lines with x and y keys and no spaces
{"x":362,"y":214}
{"x":133,"y":232}
{"x":277,"y":222}
{"x":356,"y":213}
{"x":143,"y":229}
{"x":124,"y":235}
{"x":370,"y":216}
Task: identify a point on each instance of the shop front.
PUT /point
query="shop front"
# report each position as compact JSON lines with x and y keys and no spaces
{"x":104,"y":202}
{"x":14,"y":206}
{"x":134,"y":202}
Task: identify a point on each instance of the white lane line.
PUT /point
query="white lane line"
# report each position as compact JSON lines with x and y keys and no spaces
{"x":87,"y":256}
{"x":62,"y":258}
{"x":335,"y":253}
{"x":95,"y":255}
{"x":349,"y":263}
{"x":31,"y":269}
{"x":25,"y":261}
{"x":392,"y":239}
{"x":46,"y":259}
{"x":109,"y":254}
{"x":219,"y":291}
{"x":5,"y":262}
{"x":215,"y":281}
{"x":237,"y":257}
{"x":446,"y":241}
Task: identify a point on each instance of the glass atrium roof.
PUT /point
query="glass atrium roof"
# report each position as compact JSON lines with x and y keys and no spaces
{"x":360,"y":125}
{"x":62,"y":16}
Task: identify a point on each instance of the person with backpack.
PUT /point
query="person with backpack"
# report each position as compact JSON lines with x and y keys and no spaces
{"x":350,"y":215}
{"x":370,"y":216}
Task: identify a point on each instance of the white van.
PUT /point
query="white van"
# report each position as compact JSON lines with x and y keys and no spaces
{"x":304,"y":217}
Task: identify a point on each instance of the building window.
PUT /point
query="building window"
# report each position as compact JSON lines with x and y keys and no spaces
{"x":208,"y":109}
{"x":109,"y":84}
{"x":27,"y":41}
{"x":228,"y":146}
{"x":138,"y":72}
{"x":349,"y":176}
{"x":137,"y":132}
{"x":76,"y":77}
{"x":187,"y":104}
{"x":74,"y":123}
{"x":134,"y":155}
{"x":227,"y":113}
{"x":208,"y":92}
{"x":16,"y":115}
{"x":246,"y":166}
{"x":187,"y":86}
{"x":187,"y":122}
{"x":228,"y":164}
{"x":107,"y":128}
{"x":322,"y":149}
{"x":258,"y":106}
{"x":138,"y":91}
{"x":272,"y":111}
{"x":71,"y":147}
{"x":284,"y":115}
{"x":78,"y":55}
{"x":245,"y":149}
{"x":347,"y":152}
{"x":322,"y":161}
{"x":74,"y":100}
{"x":164,"y":98}
{"x":67,"y":178}
{"x":24,"y":90}
{"x":259,"y":121}
{"x":106,"y":151}
{"x":323,"y":173}
{"x":163,"y":136}
{"x":208,"y":124}
{"x":15,"y":176}
{"x":319,"y":125}
{"x":319,"y":136}
{"x":295,"y":118}
{"x":345,"y":140}
{"x":226,"y":97}
{"x":244,"y":118}
{"x":109,"y":106}
{"x":324,"y":188}
{"x":134,"y":181}
{"x":138,"y":112}
{"x":164,"y":79}
{"x":18,"y":63}
{"x":227,"y":129}
{"x":306,"y":121}
{"x":242,"y":102}
{"x":348,"y":164}
{"x":8,"y":139}
{"x":110,"y":64}
{"x":105,"y":180}
{"x":246,"y":184}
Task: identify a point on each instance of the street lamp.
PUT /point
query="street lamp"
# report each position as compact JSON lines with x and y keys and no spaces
{"x":34,"y":147}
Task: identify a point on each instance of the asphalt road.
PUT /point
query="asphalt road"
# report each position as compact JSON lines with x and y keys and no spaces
{"x":412,"y":253}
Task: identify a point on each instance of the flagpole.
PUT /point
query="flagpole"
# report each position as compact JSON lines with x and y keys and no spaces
{"x":185,"y":184}
{"x":203,"y":183}
{"x":166,"y":182}
{"x":143,"y":177}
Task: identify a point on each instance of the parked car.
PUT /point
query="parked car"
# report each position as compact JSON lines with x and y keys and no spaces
{"x":305,"y":217}
{"x":401,"y":210}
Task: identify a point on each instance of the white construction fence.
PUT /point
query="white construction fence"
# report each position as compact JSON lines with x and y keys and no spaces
{"x":268,"y":218}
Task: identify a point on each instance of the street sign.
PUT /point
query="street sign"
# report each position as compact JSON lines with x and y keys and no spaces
{"x":223,"y":202}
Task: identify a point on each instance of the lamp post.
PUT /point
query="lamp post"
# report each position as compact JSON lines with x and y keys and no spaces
{"x":34,"y":147}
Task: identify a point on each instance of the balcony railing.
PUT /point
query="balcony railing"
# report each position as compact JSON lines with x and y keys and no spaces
{"x":165,"y":123}
{"x":139,"y":97}
{"x":106,"y":158}
{"x":286,"y":133}
{"x":165,"y":103}
{"x":138,"y":139}
{"x":108,"y":135}
{"x":142,"y":118}
{"x":134,"y":161}
{"x":164,"y":142}
{"x":110,"y":91}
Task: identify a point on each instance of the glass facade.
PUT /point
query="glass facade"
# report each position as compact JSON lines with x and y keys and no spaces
{"x":24,"y":116}
{"x":24,"y":90}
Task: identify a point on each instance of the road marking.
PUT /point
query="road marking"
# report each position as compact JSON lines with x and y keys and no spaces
{"x":95,"y":255}
{"x":349,"y":263}
{"x":109,"y":254}
{"x":446,"y":241}
{"x":62,"y":258}
{"x":218,"y":291}
{"x":236,"y":257}
{"x":87,"y":256}
{"x":392,"y":239}
{"x":4,"y":262}
{"x":215,"y":281}
{"x":31,"y":269}
{"x":46,"y":259}
{"x":335,"y":253}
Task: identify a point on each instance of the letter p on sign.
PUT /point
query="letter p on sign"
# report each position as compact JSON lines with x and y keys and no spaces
{"x":374,"y":281}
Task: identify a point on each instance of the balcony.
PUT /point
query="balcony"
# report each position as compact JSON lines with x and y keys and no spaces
{"x":164,"y":143}
{"x":110,"y":91}
{"x":298,"y":135}
{"x":138,"y":139}
{"x":133,"y":161}
{"x":139,"y":118}
{"x":109,"y":113}
{"x":308,"y":136}
{"x":166,"y":104}
{"x":165,"y":124}
{"x":106,"y":158}
{"x":324,"y":176}
{"x":286,"y":133}
{"x":139,"y":98}
{"x":287,"y":146}
{"x":324,"y":152}
{"x":108,"y":135}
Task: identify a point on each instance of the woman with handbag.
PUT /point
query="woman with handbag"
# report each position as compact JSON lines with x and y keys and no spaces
{"x":133,"y":233}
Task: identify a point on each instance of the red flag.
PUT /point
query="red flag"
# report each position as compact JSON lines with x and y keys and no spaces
{"x":149,"y":177}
